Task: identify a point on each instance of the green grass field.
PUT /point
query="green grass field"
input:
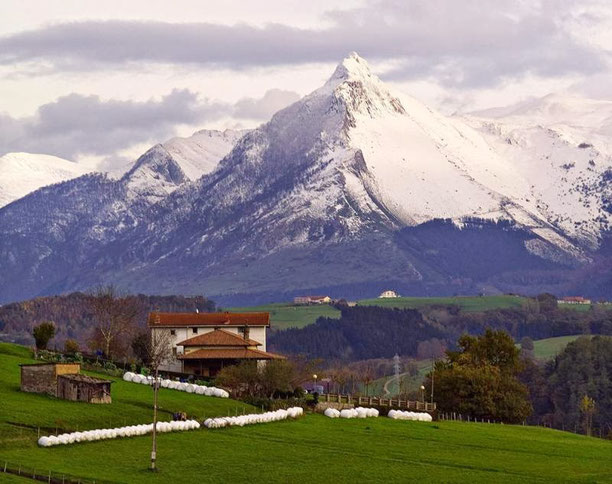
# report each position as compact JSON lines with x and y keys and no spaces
{"x":23,"y":413}
{"x":545,"y":349}
{"x":312,"y":447}
{"x":467,"y":303}
{"x":285,"y":315}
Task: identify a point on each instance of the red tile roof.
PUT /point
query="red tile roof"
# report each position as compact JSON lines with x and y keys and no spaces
{"x":218,"y":337}
{"x":230,"y":354}
{"x":209,"y":319}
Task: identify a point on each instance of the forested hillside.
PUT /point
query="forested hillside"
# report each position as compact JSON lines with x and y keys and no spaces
{"x":365,"y":332}
{"x":73,"y":317}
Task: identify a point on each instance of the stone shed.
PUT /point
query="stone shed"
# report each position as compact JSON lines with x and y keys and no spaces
{"x":84,"y":388}
{"x":42,"y":377}
{"x":64,"y":380}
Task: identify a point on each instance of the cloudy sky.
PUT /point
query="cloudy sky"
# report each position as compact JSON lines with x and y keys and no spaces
{"x":96,"y":81}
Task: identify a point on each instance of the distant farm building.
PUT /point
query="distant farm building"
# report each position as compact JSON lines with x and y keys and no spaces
{"x":575,"y":300}
{"x":204,"y":343}
{"x":64,"y":380}
{"x":388,"y":294}
{"x":312,"y":300}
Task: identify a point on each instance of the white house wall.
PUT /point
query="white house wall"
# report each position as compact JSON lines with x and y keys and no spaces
{"x":181,"y":333}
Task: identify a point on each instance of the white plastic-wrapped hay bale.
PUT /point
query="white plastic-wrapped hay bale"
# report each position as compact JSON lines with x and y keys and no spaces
{"x":361,"y":412}
{"x":346,"y":413}
{"x":331,"y":413}
{"x":127,"y":376}
{"x":190,"y":388}
{"x":44,"y":442}
{"x":199,"y":389}
{"x":182,"y":387}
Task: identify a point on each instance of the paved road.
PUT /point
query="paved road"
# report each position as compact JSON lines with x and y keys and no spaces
{"x":390,"y":380}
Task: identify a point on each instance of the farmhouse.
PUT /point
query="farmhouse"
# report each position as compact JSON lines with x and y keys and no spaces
{"x":64,"y":380}
{"x":575,"y":300}
{"x":204,"y":343}
{"x":388,"y":294}
{"x":312,"y":300}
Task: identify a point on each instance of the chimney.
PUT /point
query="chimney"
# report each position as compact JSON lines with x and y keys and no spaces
{"x":246,"y":332}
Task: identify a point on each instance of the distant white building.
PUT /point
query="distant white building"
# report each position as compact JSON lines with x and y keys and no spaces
{"x":312,"y":300}
{"x":388,"y":294}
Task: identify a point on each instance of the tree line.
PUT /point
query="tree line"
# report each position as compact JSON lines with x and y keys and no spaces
{"x":365,"y":332}
{"x":105,"y":320}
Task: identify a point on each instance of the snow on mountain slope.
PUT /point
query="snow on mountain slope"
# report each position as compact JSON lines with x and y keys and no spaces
{"x":562,"y":146}
{"x":22,"y":173}
{"x":351,"y":159}
{"x":199,"y":154}
{"x":343,"y":188}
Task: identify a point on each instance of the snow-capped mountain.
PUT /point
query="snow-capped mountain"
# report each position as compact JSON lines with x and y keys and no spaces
{"x":200,"y":153}
{"x":562,"y":145}
{"x":350,"y":188}
{"x":22,"y":173}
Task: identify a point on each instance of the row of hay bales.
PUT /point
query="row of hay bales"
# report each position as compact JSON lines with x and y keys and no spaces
{"x":103,"y":434}
{"x":406,"y":415}
{"x":175,"y":385}
{"x":253,"y":418}
{"x":359,"y":412}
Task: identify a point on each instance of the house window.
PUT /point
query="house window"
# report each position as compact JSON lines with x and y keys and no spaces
{"x":174,"y":351}
{"x":194,"y":330}
{"x":172,"y":332}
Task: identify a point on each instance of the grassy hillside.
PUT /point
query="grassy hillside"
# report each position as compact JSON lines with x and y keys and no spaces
{"x":23,"y":413}
{"x":467,"y":303}
{"x":313,"y":447}
{"x":286,"y":315}
{"x":545,"y":349}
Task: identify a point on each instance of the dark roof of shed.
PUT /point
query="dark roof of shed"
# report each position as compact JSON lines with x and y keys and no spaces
{"x":79,"y":377}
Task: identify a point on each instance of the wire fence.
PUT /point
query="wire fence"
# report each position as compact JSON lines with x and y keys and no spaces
{"x":45,"y":475}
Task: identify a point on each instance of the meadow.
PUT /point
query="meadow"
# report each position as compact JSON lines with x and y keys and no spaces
{"x":548,"y":348}
{"x":467,"y":303}
{"x":287,"y":315}
{"x":313,"y":447}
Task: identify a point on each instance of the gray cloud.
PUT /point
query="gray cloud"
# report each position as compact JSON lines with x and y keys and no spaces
{"x":263,"y":108}
{"x":76,"y":125}
{"x":460,"y":43}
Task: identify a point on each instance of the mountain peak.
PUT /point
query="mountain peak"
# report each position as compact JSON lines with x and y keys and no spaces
{"x":361,"y":90}
{"x":352,"y":67}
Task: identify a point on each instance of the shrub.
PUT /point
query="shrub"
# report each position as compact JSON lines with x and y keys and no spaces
{"x":71,"y":347}
{"x":42,"y":333}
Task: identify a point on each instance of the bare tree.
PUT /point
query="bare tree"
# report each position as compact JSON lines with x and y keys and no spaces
{"x":367,"y":377}
{"x":159,"y":352}
{"x":115,"y":314}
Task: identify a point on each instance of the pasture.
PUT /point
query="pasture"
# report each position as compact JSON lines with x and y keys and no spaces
{"x":333,"y":450}
{"x":286,"y":315}
{"x":467,"y":303}
{"x":548,"y":348}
